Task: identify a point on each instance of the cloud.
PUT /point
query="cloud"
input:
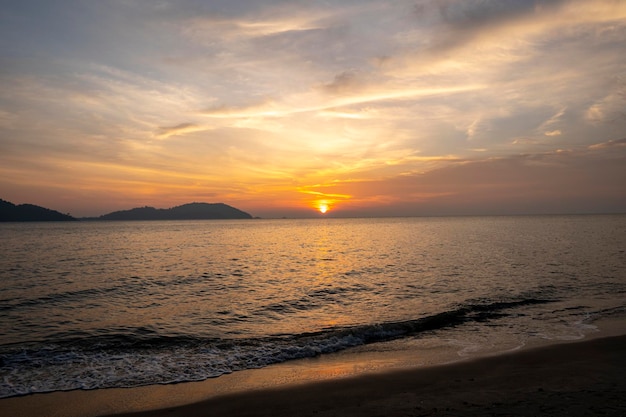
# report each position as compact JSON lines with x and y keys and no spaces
{"x":553,"y":120}
{"x":370,"y":99}
{"x":580,"y":180}
{"x":361,"y":113}
{"x":609,"y":108}
{"x":475,"y":127}
{"x":489,"y":33}
{"x":468,"y":20}
{"x":618,"y":143}
{"x":270,"y":21}
{"x":312,"y":103}
{"x":165,"y":132}
{"x":345,"y":82}
{"x":266,"y":108}
{"x":478,"y":20}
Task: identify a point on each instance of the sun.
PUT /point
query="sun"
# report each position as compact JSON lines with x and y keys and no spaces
{"x":323,"y":206}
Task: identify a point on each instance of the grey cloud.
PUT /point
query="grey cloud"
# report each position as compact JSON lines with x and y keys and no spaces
{"x":580,"y":180}
{"x":478,"y":13}
{"x":463,"y":20}
{"x":344,"y":82}
{"x":470,"y":15}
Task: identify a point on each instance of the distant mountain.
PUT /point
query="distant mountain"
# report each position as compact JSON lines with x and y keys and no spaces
{"x":10,"y":212}
{"x":191,"y":211}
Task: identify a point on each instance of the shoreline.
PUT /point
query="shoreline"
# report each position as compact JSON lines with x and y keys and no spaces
{"x":570,"y":378}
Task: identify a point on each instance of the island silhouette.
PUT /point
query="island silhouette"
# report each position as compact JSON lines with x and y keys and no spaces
{"x":10,"y":212}
{"x":191,"y":211}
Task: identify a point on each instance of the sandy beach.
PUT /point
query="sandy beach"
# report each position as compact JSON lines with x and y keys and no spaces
{"x":568,"y":379}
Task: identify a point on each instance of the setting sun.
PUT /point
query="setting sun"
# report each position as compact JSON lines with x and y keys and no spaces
{"x":322,"y":205}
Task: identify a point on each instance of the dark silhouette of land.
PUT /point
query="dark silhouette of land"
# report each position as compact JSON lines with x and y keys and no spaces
{"x":191,"y":211}
{"x":10,"y":212}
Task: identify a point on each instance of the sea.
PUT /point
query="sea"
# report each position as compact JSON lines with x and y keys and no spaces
{"x":95,"y":304}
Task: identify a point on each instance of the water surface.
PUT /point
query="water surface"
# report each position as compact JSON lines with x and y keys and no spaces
{"x":121,"y":304}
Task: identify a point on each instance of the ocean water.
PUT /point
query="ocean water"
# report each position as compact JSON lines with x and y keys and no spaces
{"x":87,"y":305}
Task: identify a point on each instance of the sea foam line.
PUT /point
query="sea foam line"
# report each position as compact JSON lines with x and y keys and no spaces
{"x":109,"y":361}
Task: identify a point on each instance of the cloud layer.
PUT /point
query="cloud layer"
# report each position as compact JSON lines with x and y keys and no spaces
{"x":379,"y":108}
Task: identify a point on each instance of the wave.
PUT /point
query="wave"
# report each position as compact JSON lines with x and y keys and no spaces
{"x":120,"y":288}
{"x":143,"y":357}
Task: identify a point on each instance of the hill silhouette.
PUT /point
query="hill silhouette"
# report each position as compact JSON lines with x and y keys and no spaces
{"x":10,"y":212}
{"x":191,"y":211}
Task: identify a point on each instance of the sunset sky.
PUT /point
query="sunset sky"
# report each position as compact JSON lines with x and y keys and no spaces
{"x":420,"y":107}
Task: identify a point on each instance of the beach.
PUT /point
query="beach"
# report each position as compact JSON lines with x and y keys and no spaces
{"x":579,"y":378}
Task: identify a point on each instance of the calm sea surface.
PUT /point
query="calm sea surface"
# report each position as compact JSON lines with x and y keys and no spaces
{"x":119,"y":304}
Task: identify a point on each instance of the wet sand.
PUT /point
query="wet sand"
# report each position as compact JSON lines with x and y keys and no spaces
{"x":572,"y":379}
{"x":569,"y":379}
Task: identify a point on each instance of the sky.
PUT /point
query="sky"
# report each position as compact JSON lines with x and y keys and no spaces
{"x":280,"y":108}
